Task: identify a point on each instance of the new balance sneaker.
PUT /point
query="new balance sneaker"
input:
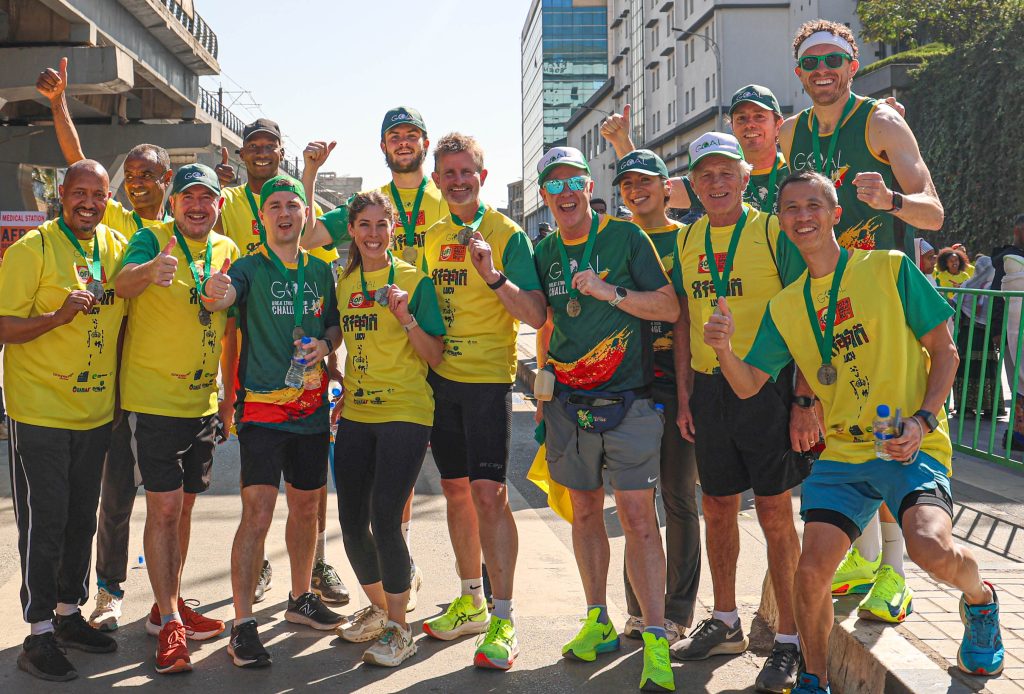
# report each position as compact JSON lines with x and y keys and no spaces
{"x":73,"y":632}
{"x":890,"y":598}
{"x":981,"y":650}
{"x":499,"y":647}
{"x":365,"y":625}
{"x":462,"y":617}
{"x":392,"y":648}
{"x":108,"y":610}
{"x":780,"y":669}
{"x":263,"y":584}
{"x":635,"y":626}
{"x":41,"y":656}
{"x":172,"y":650}
{"x":657,"y":674}
{"x":197,"y":627}
{"x":711,"y":637}
{"x":593,"y":638}
{"x":327,"y":584}
{"x":416,"y":582}
{"x":310,"y":610}
{"x":245,"y":648}
{"x":809,"y":684}
{"x":855,"y":574}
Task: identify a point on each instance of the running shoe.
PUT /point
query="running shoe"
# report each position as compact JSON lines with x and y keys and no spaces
{"x":172,"y":650}
{"x":890,"y":598}
{"x":711,"y":637}
{"x":981,"y":650}
{"x":197,"y":627}
{"x":657,"y":675}
{"x":634,"y":628}
{"x":780,"y":669}
{"x":264,"y":582}
{"x":392,"y":648}
{"x":593,"y":638}
{"x":73,"y":632}
{"x":856,"y":574}
{"x":462,"y":617}
{"x":310,"y":610}
{"x":327,"y":584}
{"x":416,"y":582}
{"x":365,"y":625}
{"x":809,"y":684}
{"x":673,"y":632}
{"x":499,"y":647}
{"x":107,"y":612}
{"x":41,"y":656}
{"x":245,"y":648}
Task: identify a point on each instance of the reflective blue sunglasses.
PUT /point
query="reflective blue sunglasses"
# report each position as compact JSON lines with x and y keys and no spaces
{"x":555,"y":186}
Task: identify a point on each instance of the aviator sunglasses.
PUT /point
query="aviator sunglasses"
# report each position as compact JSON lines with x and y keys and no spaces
{"x":832,"y":60}
{"x":555,"y":186}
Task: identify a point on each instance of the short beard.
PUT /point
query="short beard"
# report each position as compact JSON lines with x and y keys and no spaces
{"x":412,"y":167}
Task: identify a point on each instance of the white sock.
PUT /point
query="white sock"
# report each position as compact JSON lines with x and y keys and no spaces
{"x":321,"y":545}
{"x":65,"y":609}
{"x":405,"y":533}
{"x":731,"y":619}
{"x":868,"y":544}
{"x":474,"y":587}
{"x":892,"y":547}
{"x":40,"y":628}
{"x":788,"y":638}
{"x":503,"y":609}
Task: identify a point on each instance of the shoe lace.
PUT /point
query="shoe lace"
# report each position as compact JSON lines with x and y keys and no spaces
{"x":887,"y":583}
{"x":781,"y":659}
{"x":176,"y":638}
{"x":704,"y":629}
{"x":983,"y":627}
{"x":389,"y":637}
{"x":849,"y":561}
{"x":364,"y":615}
{"x":329,"y":575}
{"x":51,"y":646}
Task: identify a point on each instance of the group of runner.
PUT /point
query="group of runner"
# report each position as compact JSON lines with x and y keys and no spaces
{"x":638,"y":321}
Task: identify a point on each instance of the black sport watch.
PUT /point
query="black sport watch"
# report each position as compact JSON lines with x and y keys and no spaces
{"x":929,"y":419}
{"x":897,"y":202}
{"x":804,"y":401}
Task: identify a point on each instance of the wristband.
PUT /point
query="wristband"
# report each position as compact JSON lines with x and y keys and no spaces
{"x":499,"y":283}
{"x":804,"y":401}
{"x":330,"y":345}
{"x":410,"y":325}
{"x":202,"y":291}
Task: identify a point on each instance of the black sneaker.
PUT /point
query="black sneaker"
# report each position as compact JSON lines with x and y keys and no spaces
{"x":328,"y":584}
{"x":74,"y":632}
{"x":245,"y":647}
{"x":711,"y":637}
{"x":43,"y":657}
{"x":310,"y":610}
{"x":263,"y":585}
{"x":780,"y":669}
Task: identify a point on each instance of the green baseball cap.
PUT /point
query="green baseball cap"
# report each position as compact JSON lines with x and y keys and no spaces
{"x":641,"y":161}
{"x":560,"y":156}
{"x":192,"y":175}
{"x":281,"y":183}
{"x":756,"y":94}
{"x":402,"y":115}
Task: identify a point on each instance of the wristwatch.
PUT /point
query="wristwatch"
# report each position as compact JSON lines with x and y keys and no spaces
{"x":620,"y":294}
{"x":897,"y":202}
{"x":411,"y":324}
{"x":929,"y":419}
{"x":804,"y":401}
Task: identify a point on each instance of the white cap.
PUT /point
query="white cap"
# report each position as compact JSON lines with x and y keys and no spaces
{"x":714,"y":143}
{"x":560,"y":156}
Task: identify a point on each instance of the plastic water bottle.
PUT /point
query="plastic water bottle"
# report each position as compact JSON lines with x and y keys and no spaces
{"x":295,"y":378}
{"x":544,"y":384}
{"x":335,"y":397}
{"x":884,"y":428}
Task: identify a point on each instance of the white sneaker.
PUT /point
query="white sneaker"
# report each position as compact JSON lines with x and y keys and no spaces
{"x":672,"y":631}
{"x":365,"y":625}
{"x":634,"y":628}
{"x":414,"y":589}
{"x":107,"y":612}
{"x":393,"y":647}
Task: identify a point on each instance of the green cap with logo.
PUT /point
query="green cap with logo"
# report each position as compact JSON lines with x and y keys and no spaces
{"x":642,"y":161}
{"x":755,"y":94}
{"x":195,"y":175}
{"x":708,"y":144}
{"x":280,"y":183}
{"x":402,"y":115}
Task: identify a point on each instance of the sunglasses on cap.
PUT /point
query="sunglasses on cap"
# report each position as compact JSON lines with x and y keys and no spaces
{"x":832,"y":60}
{"x":555,"y":186}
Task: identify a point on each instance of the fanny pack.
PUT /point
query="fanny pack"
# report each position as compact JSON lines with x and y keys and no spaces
{"x":596,"y":411}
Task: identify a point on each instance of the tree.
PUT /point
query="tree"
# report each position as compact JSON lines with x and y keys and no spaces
{"x":955,"y":22}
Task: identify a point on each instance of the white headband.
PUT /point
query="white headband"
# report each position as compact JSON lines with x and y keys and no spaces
{"x":824,"y":37}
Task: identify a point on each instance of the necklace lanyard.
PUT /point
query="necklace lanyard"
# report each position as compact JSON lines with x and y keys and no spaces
{"x":191,"y":263}
{"x":721,"y":282}
{"x":391,"y":277}
{"x":477,"y":219}
{"x":138,"y":220}
{"x":769,"y":201}
{"x":256,"y":215}
{"x":95,"y":266}
{"x":824,"y":338}
{"x":827,"y":165}
{"x":567,"y":272}
{"x":409,"y":221}
{"x":298,"y":302}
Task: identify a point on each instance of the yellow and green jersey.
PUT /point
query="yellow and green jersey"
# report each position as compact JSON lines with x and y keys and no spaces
{"x":170,"y":360}
{"x":765,"y":261}
{"x":127,"y":222}
{"x":66,"y":377}
{"x":762,"y":186}
{"x":884,"y":306}
{"x":385,"y":379}
{"x":480,"y":334}
{"x":664,"y":240}
{"x":240,"y":223}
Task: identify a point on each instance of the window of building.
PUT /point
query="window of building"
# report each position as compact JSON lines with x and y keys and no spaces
{"x":714,"y":85}
{"x":707,"y":89}
{"x":707,"y":46}
{"x":655,"y":78}
{"x":671,"y":64}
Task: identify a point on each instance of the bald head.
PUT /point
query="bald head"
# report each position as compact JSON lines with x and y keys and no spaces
{"x":83,"y":196}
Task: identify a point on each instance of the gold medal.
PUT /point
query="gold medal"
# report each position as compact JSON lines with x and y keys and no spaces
{"x":573,"y":308}
{"x":827,"y":374}
{"x":409,"y":254}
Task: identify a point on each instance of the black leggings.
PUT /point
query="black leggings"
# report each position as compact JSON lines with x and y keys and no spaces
{"x":375,"y":468}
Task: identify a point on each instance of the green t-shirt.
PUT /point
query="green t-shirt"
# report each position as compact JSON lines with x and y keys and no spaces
{"x":265,"y":311}
{"x":604,"y":348}
{"x":756,"y":192}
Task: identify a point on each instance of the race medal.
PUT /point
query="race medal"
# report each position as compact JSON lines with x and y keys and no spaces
{"x":298,"y":333}
{"x":464,"y":236}
{"x":95,"y":287}
{"x":827,"y":374}
{"x":409,"y":254}
{"x":205,"y":317}
{"x":382,"y":295}
{"x":573,"y":308}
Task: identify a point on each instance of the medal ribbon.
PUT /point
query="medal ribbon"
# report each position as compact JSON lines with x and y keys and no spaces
{"x":475,"y":224}
{"x":298,"y":302}
{"x":769,"y":201}
{"x":95,"y":265}
{"x":409,"y":221}
{"x":825,"y":338}
{"x":256,"y":215}
{"x":391,"y":277}
{"x":191,"y":263}
{"x":567,"y":273}
{"x":824,"y":165}
{"x":138,"y":220}
{"x":721,"y":282}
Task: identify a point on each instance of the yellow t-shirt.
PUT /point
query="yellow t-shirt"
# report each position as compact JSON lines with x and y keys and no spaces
{"x":433,"y":209}
{"x":65,"y":378}
{"x":385,"y":379}
{"x":480,"y":338}
{"x":240,"y":225}
{"x":121,"y":219}
{"x":170,"y":360}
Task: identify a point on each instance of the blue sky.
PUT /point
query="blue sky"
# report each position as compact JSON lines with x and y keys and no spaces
{"x":325,"y":69}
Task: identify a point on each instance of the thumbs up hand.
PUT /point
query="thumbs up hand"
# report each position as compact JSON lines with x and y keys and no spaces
{"x":216,"y":286}
{"x":51,"y":83}
{"x":163,"y":267}
{"x":617,"y":130}
{"x":720,"y":327}
{"x":225,"y":172}
{"x":316,"y":153}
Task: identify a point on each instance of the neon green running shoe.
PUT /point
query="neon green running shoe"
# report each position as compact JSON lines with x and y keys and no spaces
{"x":592,"y":639}
{"x":657,"y":675}
{"x":462,"y":617}
{"x":499,"y":647}
{"x":890,"y":599}
{"x":856,"y":574}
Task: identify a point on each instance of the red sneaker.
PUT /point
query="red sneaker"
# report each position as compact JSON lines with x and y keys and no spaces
{"x":197,"y":627}
{"x":172,"y":650}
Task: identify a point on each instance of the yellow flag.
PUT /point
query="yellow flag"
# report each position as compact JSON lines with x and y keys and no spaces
{"x":558,"y":496}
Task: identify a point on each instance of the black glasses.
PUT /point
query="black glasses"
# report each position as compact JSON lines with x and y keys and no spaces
{"x":832,"y":60}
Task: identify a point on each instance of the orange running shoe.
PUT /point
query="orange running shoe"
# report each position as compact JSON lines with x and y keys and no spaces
{"x":172,"y":649}
{"x":197,"y":627}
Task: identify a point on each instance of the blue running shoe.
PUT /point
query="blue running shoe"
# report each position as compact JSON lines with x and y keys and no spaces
{"x":981,"y":651}
{"x":807,"y":683}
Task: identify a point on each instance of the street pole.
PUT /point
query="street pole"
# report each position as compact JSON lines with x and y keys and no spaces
{"x":683,"y":33}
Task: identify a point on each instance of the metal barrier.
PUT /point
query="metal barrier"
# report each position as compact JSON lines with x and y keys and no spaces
{"x":195,"y":25}
{"x":989,"y":335}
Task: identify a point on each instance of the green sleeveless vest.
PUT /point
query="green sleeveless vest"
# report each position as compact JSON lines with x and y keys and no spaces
{"x":756,"y":193}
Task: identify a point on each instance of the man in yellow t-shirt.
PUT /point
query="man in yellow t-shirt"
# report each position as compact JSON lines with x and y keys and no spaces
{"x":60,"y":371}
{"x":170,"y":425}
{"x":481,"y":264}
{"x":874,"y":331}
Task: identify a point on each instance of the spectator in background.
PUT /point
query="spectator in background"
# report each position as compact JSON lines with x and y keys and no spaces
{"x":543,"y":229}
{"x":972,"y":346}
{"x":926,"y":256}
{"x":600,"y":206}
{"x":999,"y":255}
{"x":952,"y":268}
